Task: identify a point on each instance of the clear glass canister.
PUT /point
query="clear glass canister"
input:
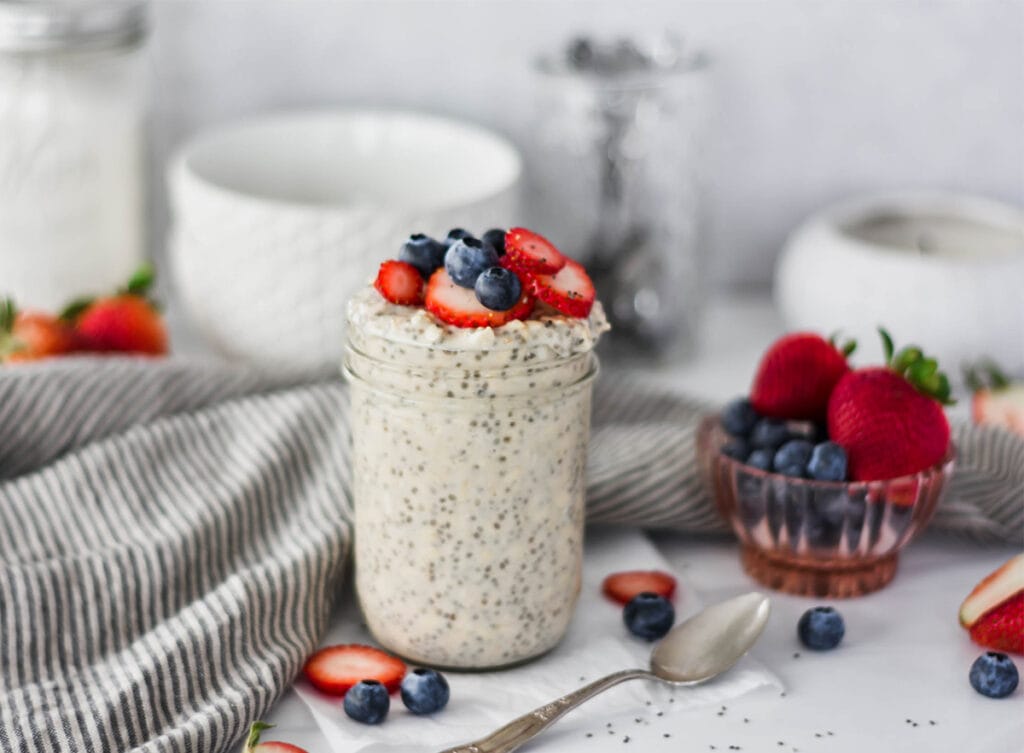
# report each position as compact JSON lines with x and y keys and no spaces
{"x":468,"y":480}
{"x":72,"y":85}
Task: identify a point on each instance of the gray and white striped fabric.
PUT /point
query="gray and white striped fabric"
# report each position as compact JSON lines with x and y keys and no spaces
{"x":172,"y":536}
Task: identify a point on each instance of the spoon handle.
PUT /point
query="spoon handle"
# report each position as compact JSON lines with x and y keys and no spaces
{"x":531,"y":724}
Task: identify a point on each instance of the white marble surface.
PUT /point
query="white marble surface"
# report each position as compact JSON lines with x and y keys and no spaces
{"x":815,"y":99}
{"x":904,"y":655}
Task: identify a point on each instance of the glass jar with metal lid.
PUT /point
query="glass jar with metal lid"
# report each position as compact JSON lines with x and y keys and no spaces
{"x":72,"y":111}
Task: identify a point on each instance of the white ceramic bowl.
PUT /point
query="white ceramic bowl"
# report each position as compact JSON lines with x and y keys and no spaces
{"x":279,"y":219}
{"x":942,"y":271}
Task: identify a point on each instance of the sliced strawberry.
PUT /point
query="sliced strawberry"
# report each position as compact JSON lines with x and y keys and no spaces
{"x":400,"y":283}
{"x":531,"y":252}
{"x":335,"y":669}
{"x":1002,"y":627}
{"x":622,"y":587}
{"x":570,"y":290}
{"x":458,"y":306}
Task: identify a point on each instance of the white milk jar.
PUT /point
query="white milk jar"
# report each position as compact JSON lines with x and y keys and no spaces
{"x":72,"y":85}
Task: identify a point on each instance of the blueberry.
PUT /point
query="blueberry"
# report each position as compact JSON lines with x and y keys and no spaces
{"x":769,"y":433}
{"x":821,"y":628}
{"x":466,"y":259}
{"x":424,"y":691}
{"x":739,"y":417}
{"x":456,"y":234}
{"x":791,"y":459}
{"x":496,"y":237}
{"x":424,"y":253}
{"x":498,"y":289}
{"x":736,"y":448}
{"x":649,"y":616}
{"x":760,"y":459}
{"x":994,"y":675}
{"x":828,"y":462}
{"x":367,"y":701}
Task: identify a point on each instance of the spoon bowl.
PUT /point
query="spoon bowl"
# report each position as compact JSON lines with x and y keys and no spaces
{"x":711,"y":641}
{"x":703,"y":647}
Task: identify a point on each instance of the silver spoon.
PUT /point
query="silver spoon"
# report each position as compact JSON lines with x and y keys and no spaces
{"x":699,"y":649}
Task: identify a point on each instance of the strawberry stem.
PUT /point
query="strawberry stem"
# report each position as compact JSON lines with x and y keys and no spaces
{"x":985,"y":375}
{"x":254,"y":734}
{"x":73,"y":310}
{"x":847,"y":348}
{"x":8,"y":313}
{"x":140,"y":282}
{"x":918,"y":369}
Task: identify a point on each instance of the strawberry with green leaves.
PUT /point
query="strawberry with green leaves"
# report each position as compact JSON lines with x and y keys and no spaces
{"x":997,"y":400}
{"x":127,"y":322}
{"x":890,"y":419}
{"x":32,"y":335}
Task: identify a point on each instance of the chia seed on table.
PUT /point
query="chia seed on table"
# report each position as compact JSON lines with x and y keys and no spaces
{"x":468,"y":557}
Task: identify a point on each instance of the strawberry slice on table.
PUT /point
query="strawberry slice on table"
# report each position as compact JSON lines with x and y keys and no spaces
{"x":623,"y":587}
{"x":569,"y":290}
{"x":335,"y":669}
{"x":796,"y":376}
{"x":459,"y":306}
{"x":528,"y":251}
{"x":994,"y":611}
{"x":890,"y":419}
{"x":253,"y":744}
{"x":400,"y":283}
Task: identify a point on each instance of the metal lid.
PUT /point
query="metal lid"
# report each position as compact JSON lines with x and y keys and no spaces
{"x":47,"y":26}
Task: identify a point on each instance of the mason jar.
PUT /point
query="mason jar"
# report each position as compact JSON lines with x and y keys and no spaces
{"x":72,"y":109}
{"x":468,"y":481}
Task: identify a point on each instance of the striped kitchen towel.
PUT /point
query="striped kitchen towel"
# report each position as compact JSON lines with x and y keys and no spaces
{"x":172,"y":535}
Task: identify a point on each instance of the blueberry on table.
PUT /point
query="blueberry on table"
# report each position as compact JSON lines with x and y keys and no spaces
{"x":791,"y":459}
{"x":425,"y":691}
{"x":760,"y":459}
{"x":424,"y":253}
{"x":821,"y":628}
{"x":649,"y":616}
{"x":456,"y":234}
{"x":367,"y":701}
{"x":498,"y":289}
{"x":769,"y":433}
{"x":466,"y":259}
{"x":994,"y":674}
{"x":828,"y":462}
{"x":739,"y":417}
{"x":736,"y":448}
{"x":496,"y":238}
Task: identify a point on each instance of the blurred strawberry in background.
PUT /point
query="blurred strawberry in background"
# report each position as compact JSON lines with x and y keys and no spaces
{"x":127,"y":322}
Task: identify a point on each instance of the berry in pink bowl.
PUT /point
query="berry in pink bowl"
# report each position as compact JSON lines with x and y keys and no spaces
{"x":818,"y":538}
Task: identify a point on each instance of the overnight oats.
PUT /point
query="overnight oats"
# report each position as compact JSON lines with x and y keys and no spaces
{"x":470,"y":370}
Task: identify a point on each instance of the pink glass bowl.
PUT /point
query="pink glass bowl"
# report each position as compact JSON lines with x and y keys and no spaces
{"x":818,"y":538}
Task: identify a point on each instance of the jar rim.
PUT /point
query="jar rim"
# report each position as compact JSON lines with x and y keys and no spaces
{"x":58,"y":26}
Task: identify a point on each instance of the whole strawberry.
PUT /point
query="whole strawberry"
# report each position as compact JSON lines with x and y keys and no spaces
{"x":32,"y":335}
{"x":890,"y":419}
{"x":796,"y":376}
{"x":127,"y":322}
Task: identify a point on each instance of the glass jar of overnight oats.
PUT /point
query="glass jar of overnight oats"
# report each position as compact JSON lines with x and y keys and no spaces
{"x":469,"y":449}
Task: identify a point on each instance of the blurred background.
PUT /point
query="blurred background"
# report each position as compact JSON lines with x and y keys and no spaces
{"x":814,"y":100}
{"x":764,"y":114}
